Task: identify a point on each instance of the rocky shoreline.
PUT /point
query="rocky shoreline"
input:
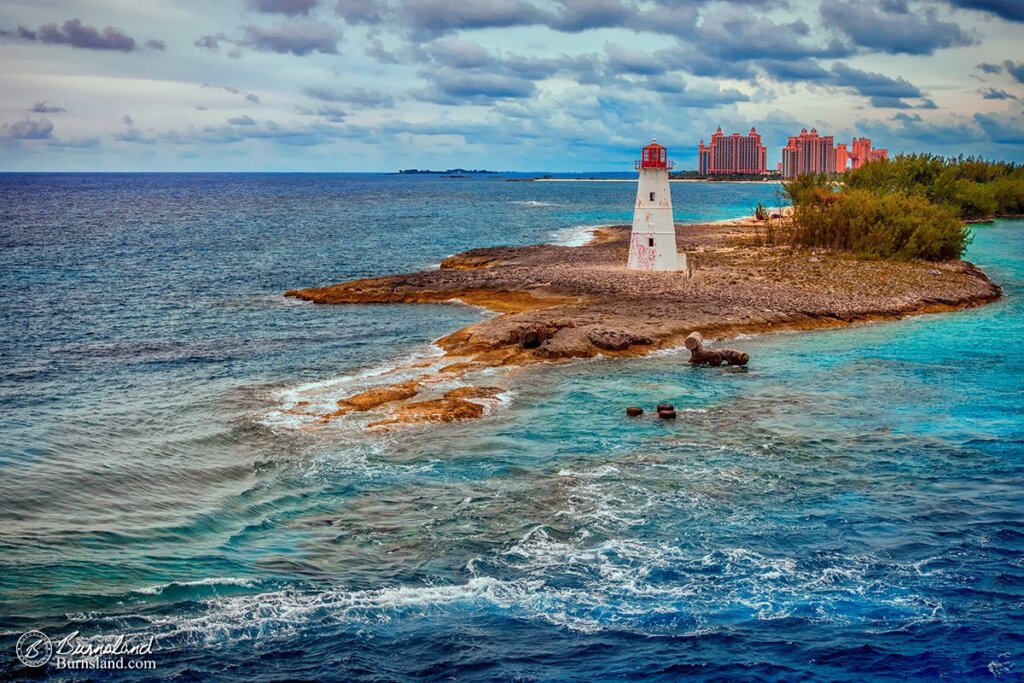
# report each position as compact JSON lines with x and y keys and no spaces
{"x":576,"y":302}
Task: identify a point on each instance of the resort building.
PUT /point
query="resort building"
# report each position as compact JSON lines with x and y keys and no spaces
{"x":861,"y":154}
{"x":808,"y":153}
{"x":732,"y":154}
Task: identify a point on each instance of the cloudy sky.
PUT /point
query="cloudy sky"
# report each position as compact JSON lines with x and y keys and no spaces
{"x":377,"y":85}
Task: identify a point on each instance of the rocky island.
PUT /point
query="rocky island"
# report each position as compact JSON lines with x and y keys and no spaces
{"x":556,"y":303}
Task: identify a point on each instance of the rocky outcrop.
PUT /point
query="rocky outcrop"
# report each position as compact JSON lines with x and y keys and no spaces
{"x":617,"y":339}
{"x":432,"y":411}
{"x":563,"y":302}
{"x":474,"y":392}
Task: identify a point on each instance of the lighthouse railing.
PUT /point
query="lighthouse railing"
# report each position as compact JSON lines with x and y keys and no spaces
{"x":640,"y":163}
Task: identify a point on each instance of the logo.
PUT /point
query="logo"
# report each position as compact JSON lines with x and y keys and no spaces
{"x":34,"y":649}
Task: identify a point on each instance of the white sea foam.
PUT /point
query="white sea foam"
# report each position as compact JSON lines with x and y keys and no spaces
{"x":212,"y":581}
{"x":576,"y":236}
{"x":533,"y":203}
{"x":617,"y":584}
{"x":300,"y":405}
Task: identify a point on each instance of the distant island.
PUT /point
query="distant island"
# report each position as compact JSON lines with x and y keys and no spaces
{"x":450,"y":171}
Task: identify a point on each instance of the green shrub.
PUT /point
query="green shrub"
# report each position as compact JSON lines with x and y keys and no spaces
{"x":1008,"y":193}
{"x":975,"y":188}
{"x":875,"y":224}
{"x":911,"y":206}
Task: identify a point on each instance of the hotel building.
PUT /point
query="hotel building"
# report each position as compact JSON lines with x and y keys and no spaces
{"x":862,"y":152}
{"x":732,"y":154}
{"x":808,"y":153}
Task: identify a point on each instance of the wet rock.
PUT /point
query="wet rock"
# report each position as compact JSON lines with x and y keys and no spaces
{"x":616,"y":339}
{"x":368,"y":400}
{"x":634,"y":411}
{"x":667,"y":414}
{"x":474,"y":392}
{"x":665,"y":406}
{"x":568,"y":342}
{"x":432,"y":411}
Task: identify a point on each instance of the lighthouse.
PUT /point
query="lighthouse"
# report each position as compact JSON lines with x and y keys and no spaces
{"x":652,"y":245}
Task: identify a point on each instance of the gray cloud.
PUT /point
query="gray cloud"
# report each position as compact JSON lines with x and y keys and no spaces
{"x":582,"y":15}
{"x":212,"y":41}
{"x":425,"y":19}
{"x":993,"y":94}
{"x":1007,"y":9}
{"x":28,"y":129}
{"x":990,"y":68}
{"x":459,"y":54}
{"x":454,"y":86}
{"x":42,"y":107}
{"x":289,"y":7}
{"x":889,"y":103}
{"x":242,"y":121}
{"x":154,"y":44}
{"x":917,"y":134}
{"x":699,"y":63}
{"x":358,"y":97}
{"x":872,"y":84}
{"x":361,"y":11}
{"x":249,"y":96}
{"x":632,"y":61}
{"x":297,"y":38}
{"x":803,"y":71}
{"x":328,"y":113}
{"x":732,"y":34}
{"x":677,"y":94}
{"x":1015,"y":69}
{"x":431,"y":17}
{"x":919,"y":33}
{"x":74,"y":33}
{"x":1003,"y":129}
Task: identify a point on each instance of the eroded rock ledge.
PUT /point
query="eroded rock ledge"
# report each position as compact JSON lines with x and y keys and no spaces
{"x":571,"y":302}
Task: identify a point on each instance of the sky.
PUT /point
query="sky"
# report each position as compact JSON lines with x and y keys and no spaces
{"x":526,"y":85}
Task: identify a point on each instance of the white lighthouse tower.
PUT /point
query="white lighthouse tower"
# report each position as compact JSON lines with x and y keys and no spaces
{"x":653,"y":243}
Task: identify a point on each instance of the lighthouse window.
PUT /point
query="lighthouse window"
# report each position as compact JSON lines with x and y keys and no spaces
{"x":650,"y":241}
{"x":652,"y":196}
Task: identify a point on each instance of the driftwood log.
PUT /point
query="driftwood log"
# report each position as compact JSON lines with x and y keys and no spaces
{"x":701,"y":356}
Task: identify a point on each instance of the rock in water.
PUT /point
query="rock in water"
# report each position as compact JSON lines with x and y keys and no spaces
{"x":667,"y":414}
{"x":665,"y":406}
{"x":701,"y":356}
{"x":634,"y":411}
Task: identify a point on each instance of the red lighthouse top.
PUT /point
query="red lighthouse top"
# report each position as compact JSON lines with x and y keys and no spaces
{"x":654,"y":156}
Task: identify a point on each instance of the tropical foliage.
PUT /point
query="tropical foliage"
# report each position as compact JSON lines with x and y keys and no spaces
{"x":912,"y":206}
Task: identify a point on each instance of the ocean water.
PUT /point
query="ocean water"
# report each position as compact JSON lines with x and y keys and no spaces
{"x":848,"y":508}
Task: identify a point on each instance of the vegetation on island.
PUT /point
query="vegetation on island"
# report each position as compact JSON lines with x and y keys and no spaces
{"x":912,"y":206}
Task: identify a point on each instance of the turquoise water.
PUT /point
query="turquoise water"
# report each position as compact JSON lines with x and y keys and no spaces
{"x":846,"y":508}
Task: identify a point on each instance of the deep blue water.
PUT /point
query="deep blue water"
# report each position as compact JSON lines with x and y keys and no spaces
{"x":850,"y":508}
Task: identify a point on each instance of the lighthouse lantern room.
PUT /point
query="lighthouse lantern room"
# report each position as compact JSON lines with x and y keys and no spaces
{"x":652,"y":245}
